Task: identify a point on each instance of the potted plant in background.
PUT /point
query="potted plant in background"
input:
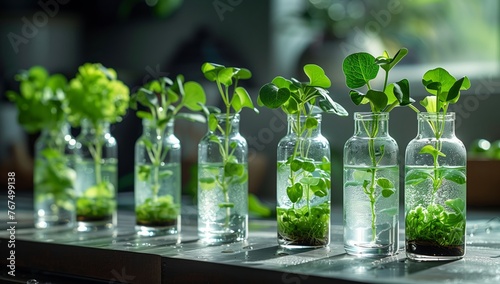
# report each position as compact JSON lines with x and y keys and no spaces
{"x":435,"y":180}
{"x":304,"y":168}
{"x":96,"y":99}
{"x":157,"y":171}
{"x":222,"y":161}
{"x":41,"y":102}
{"x":371,"y":167}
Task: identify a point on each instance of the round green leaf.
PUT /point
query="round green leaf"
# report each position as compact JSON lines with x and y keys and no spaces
{"x":317,"y":76}
{"x":272,"y":96}
{"x":193,"y":96}
{"x":359,"y":69}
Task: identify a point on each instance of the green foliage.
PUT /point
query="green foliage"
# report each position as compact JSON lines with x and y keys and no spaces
{"x":235,"y":98}
{"x":444,"y":89}
{"x":97,"y":202}
{"x":304,"y":226}
{"x":95,"y":94}
{"x":165,"y":98}
{"x":436,"y":224}
{"x":296,"y":97}
{"x":41,"y":100}
{"x":54,"y":180}
{"x":157,"y":211}
{"x":361,"y":68}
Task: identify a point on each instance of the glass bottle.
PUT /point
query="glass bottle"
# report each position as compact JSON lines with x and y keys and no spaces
{"x":223,"y":183}
{"x":54,"y":178}
{"x":157,"y":180}
{"x":435,"y":190}
{"x":371,"y":188}
{"x":303,"y":184}
{"x":97,"y":177}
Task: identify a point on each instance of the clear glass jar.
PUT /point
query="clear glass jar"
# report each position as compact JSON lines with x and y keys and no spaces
{"x":223,"y":183}
{"x":54,"y":178}
{"x":157,"y":175}
{"x":371,"y":188}
{"x":435,"y":190}
{"x":97,"y":177}
{"x":303,"y":184}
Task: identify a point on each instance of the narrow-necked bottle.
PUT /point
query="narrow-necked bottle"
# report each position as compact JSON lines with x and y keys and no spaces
{"x":435,"y":190}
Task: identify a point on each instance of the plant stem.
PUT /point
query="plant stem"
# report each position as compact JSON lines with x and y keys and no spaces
{"x":372,"y":133}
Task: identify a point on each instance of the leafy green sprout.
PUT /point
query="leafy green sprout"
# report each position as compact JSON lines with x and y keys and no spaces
{"x":96,"y":96}
{"x":359,"y":70}
{"x":435,"y":223}
{"x":298,"y":99}
{"x":41,"y":102}
{"x":164,"y":98}
{"x":444,"y":90}
{"x":235,"y":98}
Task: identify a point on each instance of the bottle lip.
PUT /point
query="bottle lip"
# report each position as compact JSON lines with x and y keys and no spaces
{"x":436,"y":115}
{"x":231,"y":116}
{"x":371,"y":115}
{"x":317,"y":116}
{"x":148,"y":123}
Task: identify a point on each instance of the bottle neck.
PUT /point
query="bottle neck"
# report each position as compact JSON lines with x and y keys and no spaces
{"x":304,"y":126}
{"x":152,"y":129}
{"x":436,"y":125}
{"x":96,"y":129}
{"x":368,"y":124}
{"x":228,"y":124}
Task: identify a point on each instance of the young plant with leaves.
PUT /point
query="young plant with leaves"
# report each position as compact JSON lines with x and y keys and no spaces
{"x":41,"y":103}
{"x":359,"y":70}
{"x":308,"y":174}
{"x":434,"y":223}
{"x":165,"y":99}
{"x":98,"y":98}
{"x":232,"y":172}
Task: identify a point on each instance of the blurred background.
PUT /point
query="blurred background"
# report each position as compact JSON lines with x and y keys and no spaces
{"x":146,"y":39}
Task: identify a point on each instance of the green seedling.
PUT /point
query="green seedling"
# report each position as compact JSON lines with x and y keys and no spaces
{"x":435,"y":223}
{"x":235,"y":98}
{"x":308,"y":224}
{"x":97,"y":96}
{"x":164,"y":98}
{"x":42,"y":103}
{"x":359,"y":70}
